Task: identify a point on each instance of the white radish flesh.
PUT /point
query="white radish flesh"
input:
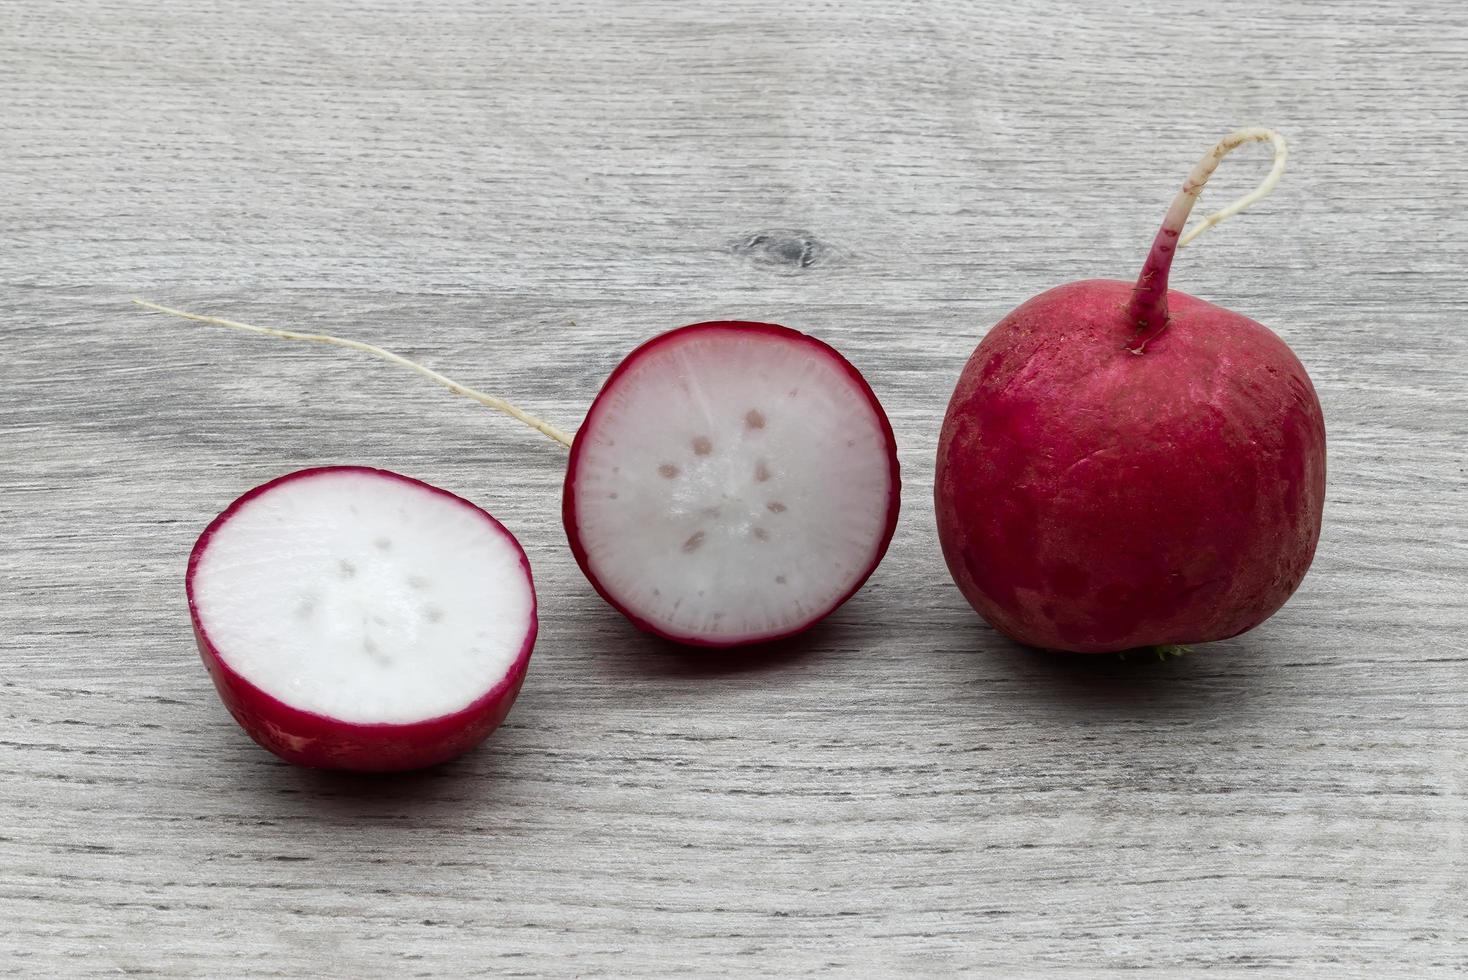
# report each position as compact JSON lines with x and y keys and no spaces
{"x":732,"y":483}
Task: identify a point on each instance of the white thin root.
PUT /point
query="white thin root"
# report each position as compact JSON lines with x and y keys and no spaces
{"x":489,"y":401}
{"x":1183,"y":204}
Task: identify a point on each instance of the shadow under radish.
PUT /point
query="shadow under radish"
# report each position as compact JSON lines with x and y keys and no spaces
{"x":1203,"y":680}
{"x":329,"y":796}
{"x":651,"y":656}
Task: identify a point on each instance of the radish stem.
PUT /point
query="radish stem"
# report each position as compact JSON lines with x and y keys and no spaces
{"x":1148,"y":306}
{"x":489,"y":401}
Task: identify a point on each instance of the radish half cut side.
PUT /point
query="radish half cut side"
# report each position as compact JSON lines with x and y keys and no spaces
{"x":732,"y":483}
{"x":354,"y":618}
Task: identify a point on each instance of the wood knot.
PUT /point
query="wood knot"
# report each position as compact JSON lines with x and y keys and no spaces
{"x":785,"y":250}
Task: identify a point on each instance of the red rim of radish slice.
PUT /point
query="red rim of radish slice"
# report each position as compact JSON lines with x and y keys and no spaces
{"x":423,"y":742}
{"x":568,"y":497}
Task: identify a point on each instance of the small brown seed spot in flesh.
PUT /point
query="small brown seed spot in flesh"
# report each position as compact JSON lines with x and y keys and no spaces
{"x":612,"y":495}
{"x":702,"y":446}
{"x":761,"y":471}
{"x":754,"y":419}
{"x":775,"y":507}
{"x":694,"y":541}
{"x":779,"y":580}
{"x":667,"y":471}
{"x":370,"y":647}
{"x":762,"y":534}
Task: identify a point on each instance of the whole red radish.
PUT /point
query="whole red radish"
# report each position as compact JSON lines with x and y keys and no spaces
{"x":1123,"y":465}
{"x":353,"y":618}
{"x":733,"y":482}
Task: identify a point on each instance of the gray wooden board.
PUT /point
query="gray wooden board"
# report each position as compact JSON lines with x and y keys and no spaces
{"x":518,"y":193}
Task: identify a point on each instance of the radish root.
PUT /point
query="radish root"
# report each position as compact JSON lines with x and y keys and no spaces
{"x":489,"y":401}
{"x":1148,"y":307}
{"x":1193,"y":186}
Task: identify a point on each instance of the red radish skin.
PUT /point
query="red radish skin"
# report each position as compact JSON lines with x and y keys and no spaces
{"x":849,"y":551}
{"x":1125,"y":466}
{"x":315,"y":740}
{"x":881,"y":532}
{"x":318,"y":742}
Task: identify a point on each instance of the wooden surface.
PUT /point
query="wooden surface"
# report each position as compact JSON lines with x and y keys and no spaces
{"x":518,"y":193}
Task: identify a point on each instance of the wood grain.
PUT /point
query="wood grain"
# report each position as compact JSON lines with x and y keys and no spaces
{"x":518,"y":193}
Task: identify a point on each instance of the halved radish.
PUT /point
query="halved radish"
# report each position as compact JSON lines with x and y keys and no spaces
{"x":354,"y":618}
{"x":732,"y":483}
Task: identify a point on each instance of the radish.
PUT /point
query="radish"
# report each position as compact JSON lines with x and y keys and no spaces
{"x":1124,"y":466}
{"x":354,"y":618}
{"x":733,"y":482}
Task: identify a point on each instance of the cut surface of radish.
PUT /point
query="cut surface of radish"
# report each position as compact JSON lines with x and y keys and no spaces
{"x":732,"y":483}
{"x":362,"y":619}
